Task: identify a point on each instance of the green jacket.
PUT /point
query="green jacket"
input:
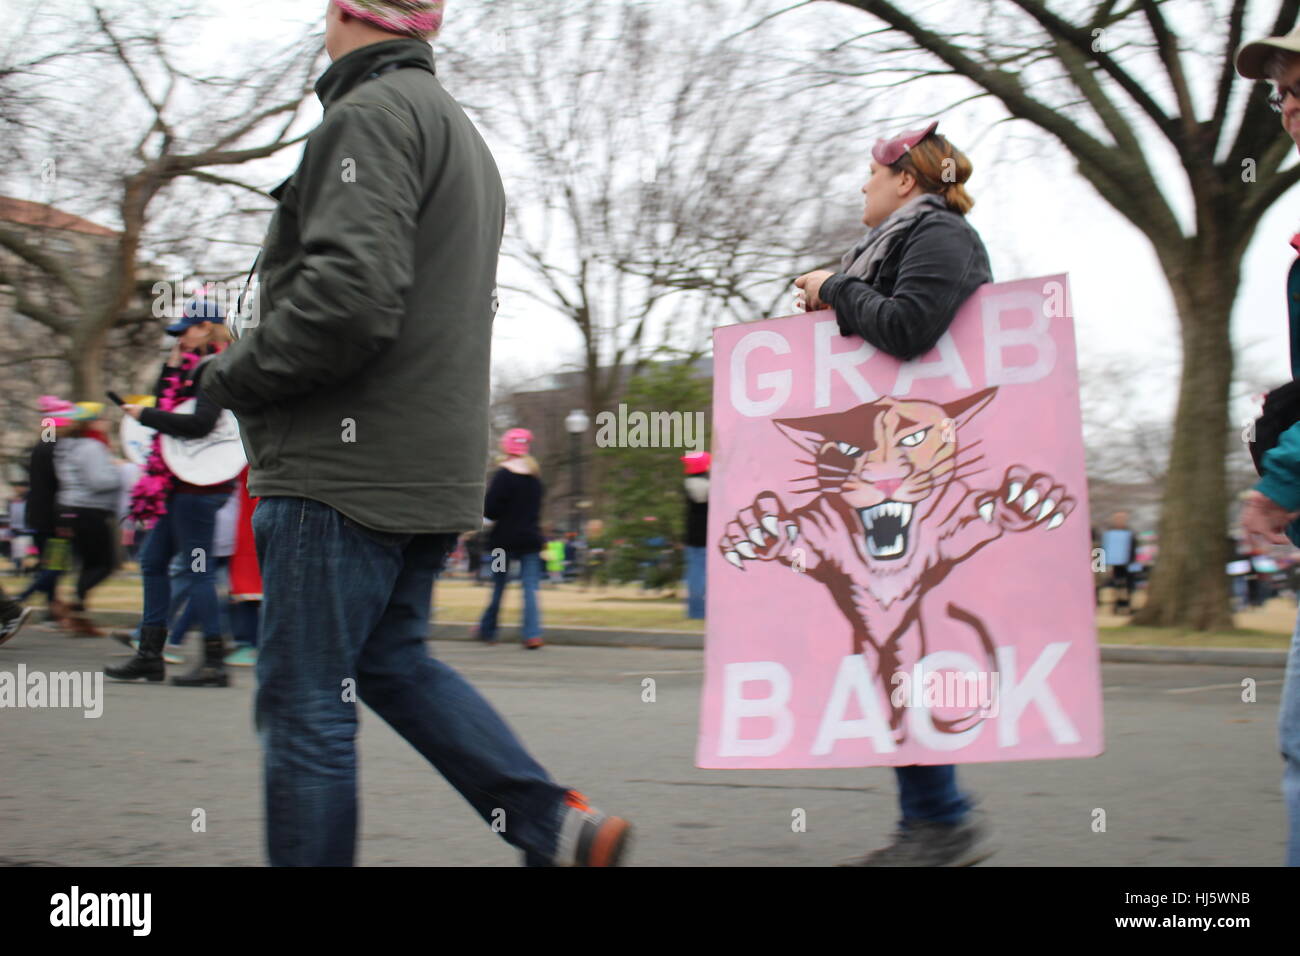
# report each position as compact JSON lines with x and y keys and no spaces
{"x":363,"y":382}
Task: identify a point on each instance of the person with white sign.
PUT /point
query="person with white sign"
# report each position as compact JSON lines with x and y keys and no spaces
{"x":899,"y":289}
{"x":189,"y":475}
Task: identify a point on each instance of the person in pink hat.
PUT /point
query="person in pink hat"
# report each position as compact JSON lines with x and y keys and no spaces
{"x":900,"y":288}
{"x":514,"y":506}
{"x":696,"y":489}
{"x":89,"y":486}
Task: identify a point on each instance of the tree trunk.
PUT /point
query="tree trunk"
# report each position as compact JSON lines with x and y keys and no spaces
{"x":87,"y":361}
{"x":1189,"y":587}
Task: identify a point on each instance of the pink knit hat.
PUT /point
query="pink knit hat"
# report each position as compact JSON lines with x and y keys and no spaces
{"x":516,"y":441}
{"x":697,"y":462}
{"x":59,"y":410}
{"x":416,"y":18}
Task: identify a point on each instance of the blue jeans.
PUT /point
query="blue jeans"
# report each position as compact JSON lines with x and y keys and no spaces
{"x":530,"y":572}
{"x":696,"y":559}
{"x":930,"y":794}
{"x":187,"y":527}
{"x":1289,"y":740}
{"x":178,"y":610}
{"x":181,"y":612}
{"x":345,"y":616}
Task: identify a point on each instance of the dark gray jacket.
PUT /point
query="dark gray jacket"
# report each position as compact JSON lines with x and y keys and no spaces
{"x":364,"y":384}
{"x":921,"y":284}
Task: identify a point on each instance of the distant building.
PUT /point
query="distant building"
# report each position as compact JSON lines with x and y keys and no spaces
{"x":89,"y":250}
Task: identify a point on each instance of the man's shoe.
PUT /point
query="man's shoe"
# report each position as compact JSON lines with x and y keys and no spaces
{"x":533,"y":643}
{"x":148,"y":661}
{"x":935,"y":844}
{"x":211,"y":670}
{"x":13,"y":624}
{"x":590,"y":838}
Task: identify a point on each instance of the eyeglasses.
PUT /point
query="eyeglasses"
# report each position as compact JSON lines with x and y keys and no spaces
{"x":1279,"y":95}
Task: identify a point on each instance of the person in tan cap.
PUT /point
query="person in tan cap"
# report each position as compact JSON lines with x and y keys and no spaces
{"x":1270,"y":58}
{"x":1271,"y":507}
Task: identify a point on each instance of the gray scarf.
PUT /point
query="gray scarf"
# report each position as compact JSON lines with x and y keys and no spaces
{"x":863,"y":260}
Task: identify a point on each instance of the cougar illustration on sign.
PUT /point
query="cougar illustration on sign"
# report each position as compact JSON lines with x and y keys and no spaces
{"x":893,"y":515}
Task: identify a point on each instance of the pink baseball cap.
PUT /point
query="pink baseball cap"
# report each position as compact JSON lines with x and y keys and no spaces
{"x":889,"y":151}
{"x":516,"y":441}
{"x":697,"y":462}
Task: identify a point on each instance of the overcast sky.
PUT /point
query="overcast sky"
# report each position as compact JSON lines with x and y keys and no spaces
{"x":1036,"y":216}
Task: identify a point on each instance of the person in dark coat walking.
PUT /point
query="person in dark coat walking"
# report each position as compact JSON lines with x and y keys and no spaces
{"x":361,"y":388}
{"x":514,"y":505}
{"x":42,"y":493}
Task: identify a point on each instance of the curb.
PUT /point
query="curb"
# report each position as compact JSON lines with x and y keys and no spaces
{"x":681,"y":640}
{"x":582,"y":636}
{"x":1226,"y":656}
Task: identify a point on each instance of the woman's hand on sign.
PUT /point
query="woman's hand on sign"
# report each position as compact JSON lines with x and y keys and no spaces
{"x":810,"y":284}
{"x":133,"y":410}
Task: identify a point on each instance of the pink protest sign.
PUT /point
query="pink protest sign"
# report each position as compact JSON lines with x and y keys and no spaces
{"x":899,"y":558}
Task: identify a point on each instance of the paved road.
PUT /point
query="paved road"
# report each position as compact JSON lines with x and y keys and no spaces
{"x":1190,"y":777}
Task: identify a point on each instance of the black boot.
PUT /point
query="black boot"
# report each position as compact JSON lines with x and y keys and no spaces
{"x":211,"y":671}
{"x":148,"y":662}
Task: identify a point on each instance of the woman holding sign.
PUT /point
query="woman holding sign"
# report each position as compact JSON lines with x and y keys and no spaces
{"x":182,"y":515}
{"x":899,"y":289}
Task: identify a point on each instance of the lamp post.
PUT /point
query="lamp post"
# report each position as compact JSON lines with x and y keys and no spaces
{"x":575,"y":423}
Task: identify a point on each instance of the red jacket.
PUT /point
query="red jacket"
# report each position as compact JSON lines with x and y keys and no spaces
{"x":245,"y":575}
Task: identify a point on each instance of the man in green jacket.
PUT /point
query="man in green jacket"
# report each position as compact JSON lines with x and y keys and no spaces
{"x":1274,"y":503}
{"x":361,"y":387}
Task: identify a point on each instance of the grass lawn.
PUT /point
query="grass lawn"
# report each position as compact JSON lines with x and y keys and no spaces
{"x":1170,"y":637}
{"x":631,"y":608}
{"x":457,"y":599}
